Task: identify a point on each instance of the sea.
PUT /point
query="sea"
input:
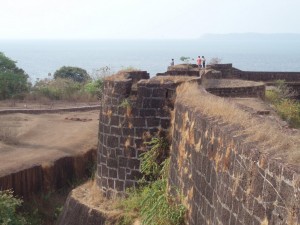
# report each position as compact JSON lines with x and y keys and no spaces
{"x":40,"y":57}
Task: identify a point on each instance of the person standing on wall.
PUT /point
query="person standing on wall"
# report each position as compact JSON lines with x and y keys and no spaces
{"x":203,"y":61}
{"x":199,"y":62}
{"x":172,"y":62}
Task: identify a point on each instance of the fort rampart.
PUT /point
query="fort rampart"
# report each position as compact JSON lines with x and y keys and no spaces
{"x":235,"y":88}
{"x":226,"y":181}
{"x":131,"y":112}
{"x":223,"y":180}
{"x":231,"y":72}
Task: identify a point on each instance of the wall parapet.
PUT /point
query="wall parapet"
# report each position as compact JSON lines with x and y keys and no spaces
{"x":231,"y":72}
{"x":235,"y":88}
{"x":225,"y":180}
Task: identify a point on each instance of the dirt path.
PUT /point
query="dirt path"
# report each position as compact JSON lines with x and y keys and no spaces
{"x":44,"y":138}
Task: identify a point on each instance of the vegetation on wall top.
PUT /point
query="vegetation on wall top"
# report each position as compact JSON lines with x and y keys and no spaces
{"x":265,"y":133}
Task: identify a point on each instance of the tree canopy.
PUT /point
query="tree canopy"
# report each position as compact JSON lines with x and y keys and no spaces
{"x":13,"y":80}
{"x":75,"y":73}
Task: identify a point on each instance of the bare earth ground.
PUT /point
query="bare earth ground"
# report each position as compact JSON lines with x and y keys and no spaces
{"x":46,"y":104}
{"x":43,"y":138}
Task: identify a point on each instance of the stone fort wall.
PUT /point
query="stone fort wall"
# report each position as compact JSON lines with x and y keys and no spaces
{"x":228,"y":71}
{"x":133,"y":109}
{"x":223,"y":180}
{"x":246,"y":92}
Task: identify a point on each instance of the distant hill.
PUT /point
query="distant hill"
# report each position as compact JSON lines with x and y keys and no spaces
{"x":252,"y":37}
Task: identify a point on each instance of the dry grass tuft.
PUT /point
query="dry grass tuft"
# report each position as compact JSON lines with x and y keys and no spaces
{"x":269,"y":136}
{"x":91,"y":195}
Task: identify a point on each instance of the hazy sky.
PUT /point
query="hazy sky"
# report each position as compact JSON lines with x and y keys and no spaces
{"x":78,"y":19}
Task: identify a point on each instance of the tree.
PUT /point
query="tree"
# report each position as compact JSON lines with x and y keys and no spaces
{"x":75,"y":73}
{"x":185,"y":59}
{"x":215,"y":60}
{"x":13,"y":80}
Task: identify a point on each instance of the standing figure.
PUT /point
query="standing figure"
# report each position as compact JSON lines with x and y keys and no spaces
{"x":172,"y":63}
{"x":199,"y":62}
{"x":203,"y":61}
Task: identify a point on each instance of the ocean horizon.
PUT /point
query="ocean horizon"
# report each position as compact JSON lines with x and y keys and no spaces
{"x":40,"y":57}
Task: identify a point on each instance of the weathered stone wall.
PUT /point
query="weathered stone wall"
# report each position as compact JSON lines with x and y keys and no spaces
{"x":226,"y":69}
{"x":124,"y":128}
{"x":254,"y":91}
{"x":267,"y":76}
{"x":182,"y":70}
{"x":118,"y":166}
{"x":230,"y":72}
{"x":212,"y":74}
{"x":225,"y":181}
{"x":191,"y":72}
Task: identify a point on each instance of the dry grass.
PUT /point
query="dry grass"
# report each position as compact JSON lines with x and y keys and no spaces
{"x":269,"y":136}
{"x":119,"y":76}
{"x":91,"y":195}
{"x":129,"y":69}
{"x":123,"y":74}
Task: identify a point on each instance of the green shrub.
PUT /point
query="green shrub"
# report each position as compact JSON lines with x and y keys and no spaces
{"x":287,"y":108}
{"x":185,"y":59}
{"x":59,"y":89}
{"x":152,"y":201}
{"x":152,"y":160}
{"x":94,"y":87}
{"x":154,"y":205}
{"x":158,"y":207}
{"x":125,"y":103}
{"x":8,"y":209}
{"x":272,"y":96}
{"x":66,"y":89}
{"x":74,"y":73}
{"x":13,"y":80}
